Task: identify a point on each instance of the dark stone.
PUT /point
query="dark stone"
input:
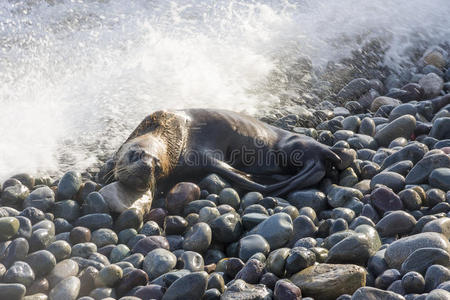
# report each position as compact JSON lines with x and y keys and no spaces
{"x":191,"y":286}
{"x":95,"y":221}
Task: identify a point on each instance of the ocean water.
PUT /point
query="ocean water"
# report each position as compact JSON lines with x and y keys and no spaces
{"x":76,"y":76}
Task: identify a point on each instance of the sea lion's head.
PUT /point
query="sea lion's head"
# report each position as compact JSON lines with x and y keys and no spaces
{"x":139,"y":162}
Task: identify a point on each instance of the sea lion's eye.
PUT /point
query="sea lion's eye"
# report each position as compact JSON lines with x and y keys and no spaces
{"x":157,"y":165}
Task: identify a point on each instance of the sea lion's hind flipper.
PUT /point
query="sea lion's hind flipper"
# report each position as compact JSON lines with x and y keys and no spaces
{"x":239,"y":178}
{"x":309,"y":175}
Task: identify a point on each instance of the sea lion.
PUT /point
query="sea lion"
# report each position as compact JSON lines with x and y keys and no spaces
{"x":171,"y":146}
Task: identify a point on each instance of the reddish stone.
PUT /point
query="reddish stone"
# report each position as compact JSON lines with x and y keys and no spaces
{"x":157,"y":215}
{"x":40,"y":285}
{"x":150,"y":243}
{"x":80,"y":235}
{"x":446,"y":150}
{"x":384,"y":199}
{"x":285,"y":290}
{"x":180,"y":195}
{"x":134,"y":278}
{"x":151,"y":291}
{"x":87,"y":277}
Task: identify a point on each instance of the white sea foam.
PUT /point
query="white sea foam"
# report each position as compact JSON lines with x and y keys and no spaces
{"x":77,"y":76}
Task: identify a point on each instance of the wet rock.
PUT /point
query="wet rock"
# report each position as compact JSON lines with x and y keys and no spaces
{"x":95,"y":221}
{"x":286,"y":290}
{"x":14,"y":195}
{"x":440,"y":178}
{"x":276,"y":261}
{"x":60,"y":249}
{"x":175,"y":225}
{"x":42,"y":198}
{"x":367,"y":127}
{"x":338,"y":196}
{"x":308,"y":198}
{"x":67,"y":288}
{"x":351,"y":123}
{"x":401,"y":110}
{"x":354,"y":90}
{"x":398,"y":251}
{"x":435,"y":275}
{"x":158,"y":262}
{"x":392,"y":180}
{"x":384,"y":280}
{"x":191,"y":286}
{"x":401,"y":127}
{"x":213,"y":183}
{"x":251,"y":272}
{"x":413,"y":283}
{"x":180,"y":195}
{"x":438,"y":294}
{"x":151,"y":291}
{"x":9,"y":226}
{"x":80,"y":235}
{"x":198,"y":238}
{"x":196,"y":206}
{"x":137,"y":278}
{"x":413,"y":152}
{"x":216,"y":281}
{"x":87,"y":280}
{"x":227,"y":228}
{"x":84,"y":250}
{"x":245,"y":291}
{"x":252,"y":244}
{"x":380,"y":101}
{"x":192,"y":261}
{"x":16,"y":250}
{"x":421,"y":259}
{"x":410,"y":199}
{"x":95,"y":203}
{"x":396,"y":222}
{"x":369,"y":293}
{"x":62,"y":270}
{"x":40,"y":239}
{"x":229,"y":196}
{"x":12,"y":291}
{"x":425,"y":166}
{"x":150,"y":228}
{"x":354,"y":249}
{"x":299,"y":258}
{"x":432,"y":85}
{"x":303,"y":227}
{"x":328,"y":281}
{"x":19,"y":272}
{"x":277,"y":230}
{"x":104,"y":236}
{"x":42,"y":262}
{"x":69,"y":185}
{"x":384,"y":199}
{"x":441,"y":225}
{"x":119,"y":253}
{"x":109,"y":276}
{"x":62,"y":227}
{"x":102,"y":293}
{"x":67,"y":209}
{"x":435,"y":56}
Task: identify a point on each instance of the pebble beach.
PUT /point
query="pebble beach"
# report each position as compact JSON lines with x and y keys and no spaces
{"x":378,"y":227}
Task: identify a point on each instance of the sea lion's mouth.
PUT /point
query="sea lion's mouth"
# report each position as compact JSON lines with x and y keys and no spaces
{"x":138,"y":183}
